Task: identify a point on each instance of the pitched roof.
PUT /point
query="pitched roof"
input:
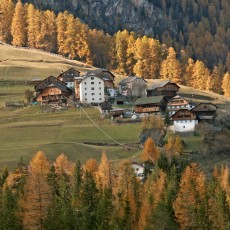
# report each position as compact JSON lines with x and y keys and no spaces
{"x":96,"y":72}
{"x":67,"y":71}
{"x":59,"y":86}
{"x":148,"y":100}
{"x":183,"y":111}
{"x":130,"y":79}
{"x":61,"y":82}
{"x":161,"y":84}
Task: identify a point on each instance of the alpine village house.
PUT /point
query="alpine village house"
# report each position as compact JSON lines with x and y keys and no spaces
{"x":90,"y":88}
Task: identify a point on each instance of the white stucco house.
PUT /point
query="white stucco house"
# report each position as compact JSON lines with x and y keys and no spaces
{"x":184,"y":120}
{"x":138,"y":169}
{"x":92,"y":90}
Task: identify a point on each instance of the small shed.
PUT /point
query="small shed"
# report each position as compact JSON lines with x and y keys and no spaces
{"x":116,"y":112}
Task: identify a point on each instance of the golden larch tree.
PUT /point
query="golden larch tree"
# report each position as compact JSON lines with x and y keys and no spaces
{"x":190,"y":197}
{"x":226,"y":84}
{"x":6,"y":16}
{"x":121,"y":46}
{"x":34,"y":26}
{"x":37,"y":193}
{"x":19,"y":25}
{"x":150,"y":152}
{"x":63,"y":165}
{"x":152,"y":195}
{"x":61,"y":23}
{"x":170,"y":67}
{"x":91,"y":166}
{"x":103,"y":176}
{"x":70,"y":34}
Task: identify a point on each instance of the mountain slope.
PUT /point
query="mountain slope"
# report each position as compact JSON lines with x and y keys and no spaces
{"x":200,"y":27}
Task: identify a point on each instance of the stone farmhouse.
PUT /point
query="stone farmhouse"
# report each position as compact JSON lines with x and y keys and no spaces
{"x":133,"y":86}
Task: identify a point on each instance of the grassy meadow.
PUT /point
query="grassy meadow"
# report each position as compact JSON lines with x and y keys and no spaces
{"x":25,"y":131}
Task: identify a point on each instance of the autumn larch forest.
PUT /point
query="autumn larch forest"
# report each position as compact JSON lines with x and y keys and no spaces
{"x":124,"y":52}
{"x":175,"y":193}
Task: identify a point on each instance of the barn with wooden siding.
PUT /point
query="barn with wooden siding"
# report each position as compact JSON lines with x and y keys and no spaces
{"x":205,"y":111}
{"x":46,"y":82}
{"x":54,"y":94}
{"x":165,"y":88}
{"x":156,"y":104}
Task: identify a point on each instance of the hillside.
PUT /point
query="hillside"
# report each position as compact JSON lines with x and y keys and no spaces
{"x":27,"y":130}
{"x":199,"y":27}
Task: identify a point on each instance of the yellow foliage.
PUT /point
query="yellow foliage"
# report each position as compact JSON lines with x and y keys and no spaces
{"x":150,"y":152}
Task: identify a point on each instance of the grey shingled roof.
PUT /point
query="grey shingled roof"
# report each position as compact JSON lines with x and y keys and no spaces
{"x":129,"y":79}
{"x":160,"y":84}
{"x":95,"y":72}
{"x":148,"y":100}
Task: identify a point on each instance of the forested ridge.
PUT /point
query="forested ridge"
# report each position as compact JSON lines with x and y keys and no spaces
{"x":200,"y":27}
{"x":68,"y":195}
{"x":125,"y":52}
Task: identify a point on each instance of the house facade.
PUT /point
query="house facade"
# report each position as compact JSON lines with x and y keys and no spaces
{"x":156,"y":105}
{"x":184,"y":120}
{"x":138,"y":169}
{"x":47,"y":81}
{"x":133,"y":86}
{"x":54,"y":94}
{"x":177,"y":103}
{"x":205,"y":111}
{"x":107,"y":77}
{"x":69,"y":77}
{"x":164,"y":88}
{"x":92,"y":90}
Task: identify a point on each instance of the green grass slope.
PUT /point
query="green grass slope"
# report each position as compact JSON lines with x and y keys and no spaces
{"x":25,"y":131}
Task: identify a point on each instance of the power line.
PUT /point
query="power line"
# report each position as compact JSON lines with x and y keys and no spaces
{"x":111,"y":138}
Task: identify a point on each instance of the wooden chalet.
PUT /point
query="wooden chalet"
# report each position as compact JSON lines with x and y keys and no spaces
{"x":177,"y":103}
{"x":46,"y":82}
{"x":165,"y":88}
{"x":205,"y":111}
{"x":103,"y":74}
{"x":154,"y":104}
{"x":184,"y":120}
{"x":69,"y":77}
{"x":54,"y":94}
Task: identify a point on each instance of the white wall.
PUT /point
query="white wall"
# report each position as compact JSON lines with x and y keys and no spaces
{"x":184,"y":125}
{"x":139,"y":170}
{"x":92,"y":90}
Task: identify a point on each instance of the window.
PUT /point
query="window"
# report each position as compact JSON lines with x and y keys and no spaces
{"x":92,"y":82}
{"x":85,"y":93}
{"x":85,"y":83}
{"x":92,"y":78}
{"x":99,"y":99}
{"x":92,"y":88}
{"x":99,"y":88}
{"x":85,"y":88}
{"x":99,"y":93}
{"x":92,"y":99}
{"x":137,"y":169}
{"x":184,"y":127}
{"x":99,"y":82}
{"x":92,"y":93}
